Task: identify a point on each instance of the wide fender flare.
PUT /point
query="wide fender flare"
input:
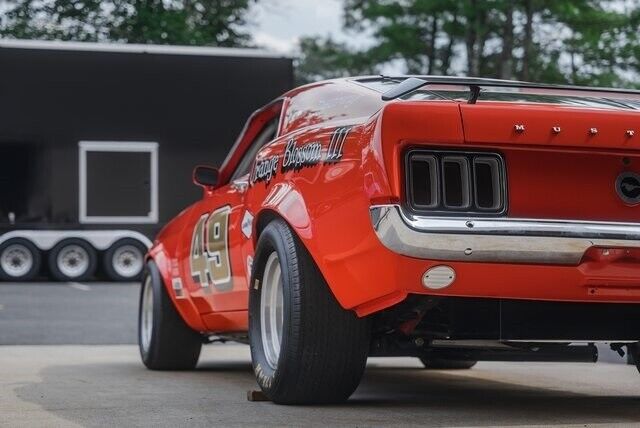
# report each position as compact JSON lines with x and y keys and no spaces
{"x":170,"y":273}
{"x":287,"y":202}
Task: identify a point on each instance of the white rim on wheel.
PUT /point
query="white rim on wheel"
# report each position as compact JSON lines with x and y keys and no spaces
{"x":127,"y":261}
{"x":271,"y":310}
{"x":16,"y":260}
{"x":73,"y":261}
{"x":146,"y":314}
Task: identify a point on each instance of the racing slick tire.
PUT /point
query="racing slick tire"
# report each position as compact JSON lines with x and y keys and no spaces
{"x":124,"y":260}
{"x":305,"y":348}
{"x":166,"y":342}
{"x":19,"y":260}
{"x":442,"y":364}
{"x":72,"y":260}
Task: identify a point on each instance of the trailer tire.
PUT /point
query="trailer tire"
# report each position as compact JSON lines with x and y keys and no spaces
{"x":305,"y":348}
{"x":124,"y":260}
{"x":165,"y":341}
{"x":72,"y":259}
{"x":19,"y":260}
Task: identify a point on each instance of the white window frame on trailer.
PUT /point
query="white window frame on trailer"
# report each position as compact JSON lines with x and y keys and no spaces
{"x":118,"y":146}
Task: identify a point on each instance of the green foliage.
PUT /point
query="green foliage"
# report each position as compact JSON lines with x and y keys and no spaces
{"x":181,"y":22}
{"x":575,"y":41}
{"x":327,"y":59}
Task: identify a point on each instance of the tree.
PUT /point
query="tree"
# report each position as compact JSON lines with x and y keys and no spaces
{"x":183,"y":22}
{"x":576,"y":41}
{"x":327,"y":59}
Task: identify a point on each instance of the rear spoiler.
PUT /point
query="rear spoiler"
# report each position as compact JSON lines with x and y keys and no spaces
{"x":407,"y":85}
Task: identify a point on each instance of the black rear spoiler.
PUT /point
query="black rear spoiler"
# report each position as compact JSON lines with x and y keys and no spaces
{"x":409,"y":84}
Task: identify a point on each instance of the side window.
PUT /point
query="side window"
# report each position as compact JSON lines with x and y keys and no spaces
{"x":265,"y":136}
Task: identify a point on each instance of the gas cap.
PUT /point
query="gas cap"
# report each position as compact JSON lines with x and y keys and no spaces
{"x":438,"y":277}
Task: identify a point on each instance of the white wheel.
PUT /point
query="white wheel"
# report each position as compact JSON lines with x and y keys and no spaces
{"x":19,"y":260}
{"x":146,"y":314}
{"x":271,"y":310}
{"x":127,"y":261}
{"x":72,"y":260}
{"x":16,"y":260}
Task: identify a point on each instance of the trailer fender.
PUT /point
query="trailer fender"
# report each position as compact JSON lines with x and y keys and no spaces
{"x":45,"y":240}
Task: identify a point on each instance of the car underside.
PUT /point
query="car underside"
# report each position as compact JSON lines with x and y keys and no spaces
{"x":459,"y":328}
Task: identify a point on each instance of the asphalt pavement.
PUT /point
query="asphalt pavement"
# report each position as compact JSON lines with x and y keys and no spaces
{"x":87,"y":313}
{"x":67,"y":359}
{"x":96,"y":386}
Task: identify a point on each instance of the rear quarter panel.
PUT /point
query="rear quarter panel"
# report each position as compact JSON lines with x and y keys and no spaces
{"x":327,"y":203}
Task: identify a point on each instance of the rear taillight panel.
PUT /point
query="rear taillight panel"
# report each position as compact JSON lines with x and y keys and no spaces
{"x":449,"y":182}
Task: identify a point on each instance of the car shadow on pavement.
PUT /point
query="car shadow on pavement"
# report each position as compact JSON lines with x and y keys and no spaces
{"x":463,"y":398}
{"x":126,"y":394}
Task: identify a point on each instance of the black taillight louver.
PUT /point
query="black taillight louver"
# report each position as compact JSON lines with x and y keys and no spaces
{"x":423,"y":179}
{"x":454,"y":182}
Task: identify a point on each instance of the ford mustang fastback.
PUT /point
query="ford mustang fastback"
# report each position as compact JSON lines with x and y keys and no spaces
{"x":449,"y":219}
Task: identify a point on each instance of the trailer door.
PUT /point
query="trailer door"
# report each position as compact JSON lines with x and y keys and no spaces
{"x":118,"y":182}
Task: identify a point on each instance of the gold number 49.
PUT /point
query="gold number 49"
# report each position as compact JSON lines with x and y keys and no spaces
{"x":209,"y":259}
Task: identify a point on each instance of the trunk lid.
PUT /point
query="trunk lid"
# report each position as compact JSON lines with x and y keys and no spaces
{"x":551,"y":126}
{"x":562,"y":162}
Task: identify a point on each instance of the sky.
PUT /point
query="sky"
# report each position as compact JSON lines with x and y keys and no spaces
{"x":278,"y":24}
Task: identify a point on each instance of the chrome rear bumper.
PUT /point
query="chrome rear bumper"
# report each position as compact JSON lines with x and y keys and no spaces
{"x":501,"y":240}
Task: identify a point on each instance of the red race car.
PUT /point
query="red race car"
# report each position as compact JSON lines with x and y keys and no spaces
{"x":449,"y":219}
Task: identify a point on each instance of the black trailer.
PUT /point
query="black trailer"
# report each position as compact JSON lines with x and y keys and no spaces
{"x":98,"y":141}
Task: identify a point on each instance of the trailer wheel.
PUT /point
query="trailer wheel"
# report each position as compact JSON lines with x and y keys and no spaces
{"x":445,"y":364}
{"x":124,"y":260}
{"x":305,"y":348}
{"x":19,"y":260}
{"x":166,"y":342}
{"x":72,"y":260}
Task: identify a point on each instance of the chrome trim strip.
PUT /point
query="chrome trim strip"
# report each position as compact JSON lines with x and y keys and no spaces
{"x":501,"y":240}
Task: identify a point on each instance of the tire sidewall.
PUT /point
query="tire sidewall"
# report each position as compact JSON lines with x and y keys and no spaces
{"x":53,"y":263}
{"x":173,"y":345}
{"x":150,"y":271}
{"x":270,"y":240}
{"x":35,"y":255}
{"x":108,"y":259}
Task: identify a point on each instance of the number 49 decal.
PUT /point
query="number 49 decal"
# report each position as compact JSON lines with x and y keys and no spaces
{"x":209,"y":259}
